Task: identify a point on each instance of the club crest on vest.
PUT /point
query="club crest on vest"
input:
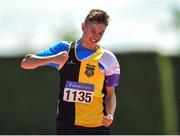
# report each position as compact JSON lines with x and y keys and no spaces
{"x":89,"y":70}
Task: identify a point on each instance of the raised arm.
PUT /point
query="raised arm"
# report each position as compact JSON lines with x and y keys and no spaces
{"x":32,"y":61}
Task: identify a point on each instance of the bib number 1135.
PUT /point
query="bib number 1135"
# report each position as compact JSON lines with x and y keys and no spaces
{"x":78,"y":92}
{"x":78,"y":96}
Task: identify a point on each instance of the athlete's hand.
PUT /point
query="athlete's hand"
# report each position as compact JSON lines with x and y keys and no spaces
{"x":107,"y":120}
{"x":60,"y":58}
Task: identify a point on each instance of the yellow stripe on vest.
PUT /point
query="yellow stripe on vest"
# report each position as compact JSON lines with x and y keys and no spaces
{"x":90,"y":115}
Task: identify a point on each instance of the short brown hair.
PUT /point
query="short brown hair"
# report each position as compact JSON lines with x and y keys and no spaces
{"x":97,"y":15}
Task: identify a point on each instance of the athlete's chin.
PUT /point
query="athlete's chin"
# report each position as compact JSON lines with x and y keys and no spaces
{"x":93,"y":43}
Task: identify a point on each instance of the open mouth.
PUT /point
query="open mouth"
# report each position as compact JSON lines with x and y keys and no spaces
{"x":93,"y":40}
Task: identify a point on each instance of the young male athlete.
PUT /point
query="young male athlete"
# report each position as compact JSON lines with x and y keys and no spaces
{"x":88,"y":73}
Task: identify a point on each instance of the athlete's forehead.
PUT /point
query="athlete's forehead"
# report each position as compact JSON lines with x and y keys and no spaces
{"x":95,"y":26}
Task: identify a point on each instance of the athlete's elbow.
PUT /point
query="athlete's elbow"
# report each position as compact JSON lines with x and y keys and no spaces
{"x":25,"y":64}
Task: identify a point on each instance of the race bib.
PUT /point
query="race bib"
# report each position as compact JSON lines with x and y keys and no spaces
{"x":78,"y":92}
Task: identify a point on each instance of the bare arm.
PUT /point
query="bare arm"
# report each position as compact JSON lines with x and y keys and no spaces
{"x":110,"y":106}
{"x":32,"y":61}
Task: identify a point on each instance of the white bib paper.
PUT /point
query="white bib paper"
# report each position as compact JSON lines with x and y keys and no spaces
{"x":78,"y":92}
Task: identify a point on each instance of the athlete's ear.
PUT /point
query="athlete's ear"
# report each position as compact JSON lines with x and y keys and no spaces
{"x":82,"y":26}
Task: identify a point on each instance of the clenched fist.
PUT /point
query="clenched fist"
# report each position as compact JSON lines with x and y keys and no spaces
{"x":32,"y":61}
{"x":107,"y":120}
{"x":60,"y":58}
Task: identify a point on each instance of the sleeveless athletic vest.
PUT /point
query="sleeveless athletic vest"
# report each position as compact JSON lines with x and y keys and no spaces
{"x":82,"y":91}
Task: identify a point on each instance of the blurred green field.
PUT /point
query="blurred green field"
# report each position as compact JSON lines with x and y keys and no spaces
{"x":148,"y":98}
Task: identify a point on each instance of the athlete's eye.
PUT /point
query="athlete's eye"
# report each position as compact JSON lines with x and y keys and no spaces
{"x":93,"y":31}
{"x":101,"y":33}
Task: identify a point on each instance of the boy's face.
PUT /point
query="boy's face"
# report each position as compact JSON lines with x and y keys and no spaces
{"x":92,"y":33}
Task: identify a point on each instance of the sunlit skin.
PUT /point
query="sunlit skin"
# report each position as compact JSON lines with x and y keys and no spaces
{"x":92,"y":34}
{"x":93,"y":29}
